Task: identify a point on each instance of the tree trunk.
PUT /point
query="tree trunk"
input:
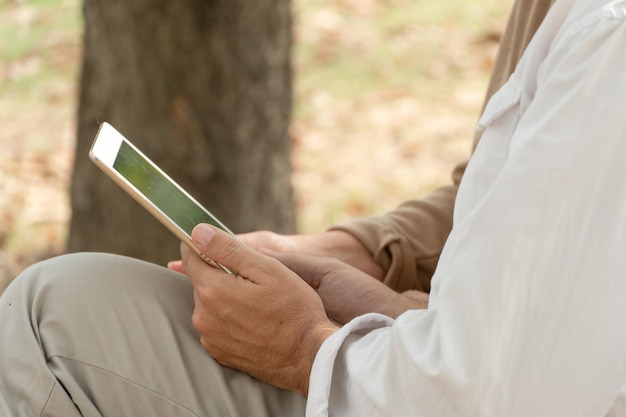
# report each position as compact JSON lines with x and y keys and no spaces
{"x":203,"y":87}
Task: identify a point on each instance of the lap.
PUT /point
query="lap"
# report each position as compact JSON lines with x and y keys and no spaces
{"x":116,"y":334}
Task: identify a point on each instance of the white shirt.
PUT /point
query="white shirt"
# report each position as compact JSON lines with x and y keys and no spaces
{"x":527,"y":315}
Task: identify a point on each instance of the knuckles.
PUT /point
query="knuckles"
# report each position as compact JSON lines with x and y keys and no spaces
{"x":197,"y":320}
{"x":200,"y":318}
{"x":206,"y":295}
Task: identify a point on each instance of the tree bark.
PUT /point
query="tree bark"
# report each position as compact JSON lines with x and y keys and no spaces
{"x":203,"y":87}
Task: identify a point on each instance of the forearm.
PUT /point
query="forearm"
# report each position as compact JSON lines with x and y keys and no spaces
{"x":407,"y":241}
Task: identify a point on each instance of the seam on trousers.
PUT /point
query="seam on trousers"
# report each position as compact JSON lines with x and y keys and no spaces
{"x":45,"y":404}
{"x":106,"y":371}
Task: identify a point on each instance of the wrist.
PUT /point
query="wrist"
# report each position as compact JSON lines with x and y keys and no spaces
{"x":313,"y":342}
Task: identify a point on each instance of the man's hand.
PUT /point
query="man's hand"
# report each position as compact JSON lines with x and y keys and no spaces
{"x":348,"y":292}
{"x":334,"y":243}
{"x":264,"y":321}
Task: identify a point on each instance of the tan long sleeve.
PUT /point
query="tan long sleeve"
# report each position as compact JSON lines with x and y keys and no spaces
{"x":408,"y":240}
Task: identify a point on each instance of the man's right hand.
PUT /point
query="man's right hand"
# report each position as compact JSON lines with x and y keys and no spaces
{"x":347,"y":292}
{"x":330,"y":244}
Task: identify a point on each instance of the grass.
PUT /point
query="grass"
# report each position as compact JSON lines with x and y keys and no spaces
{"x":386,"y":95}
{"x":386,"y":99}
{"x":352,"y":49}
{"x":39,"y":55}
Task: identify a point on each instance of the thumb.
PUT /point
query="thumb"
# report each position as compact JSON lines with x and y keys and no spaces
{"x":227,"y":250}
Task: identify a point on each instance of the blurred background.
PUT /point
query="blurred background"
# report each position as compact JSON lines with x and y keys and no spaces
{"x":385,"y":97}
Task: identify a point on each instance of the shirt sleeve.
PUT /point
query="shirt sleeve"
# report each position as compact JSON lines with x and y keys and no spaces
{"x":529,"y":297}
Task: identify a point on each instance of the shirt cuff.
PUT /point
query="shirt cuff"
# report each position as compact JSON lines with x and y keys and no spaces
{"x":323,"y":366}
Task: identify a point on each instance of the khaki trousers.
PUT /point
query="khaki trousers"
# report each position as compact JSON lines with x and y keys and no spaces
{"x":105,"y":335}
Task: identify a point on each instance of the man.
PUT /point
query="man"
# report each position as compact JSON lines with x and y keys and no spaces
{"x":514,"y":325}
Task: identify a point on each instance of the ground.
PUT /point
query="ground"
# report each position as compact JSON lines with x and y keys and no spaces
{"x":386,"y":97}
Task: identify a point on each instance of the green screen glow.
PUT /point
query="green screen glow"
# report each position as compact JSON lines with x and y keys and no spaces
{"x":160,"y":191}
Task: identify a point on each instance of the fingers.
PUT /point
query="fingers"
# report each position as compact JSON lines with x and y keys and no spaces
{"x":176,"y":266}
{"x":312,"y":269}
{"x":266,"y":239}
